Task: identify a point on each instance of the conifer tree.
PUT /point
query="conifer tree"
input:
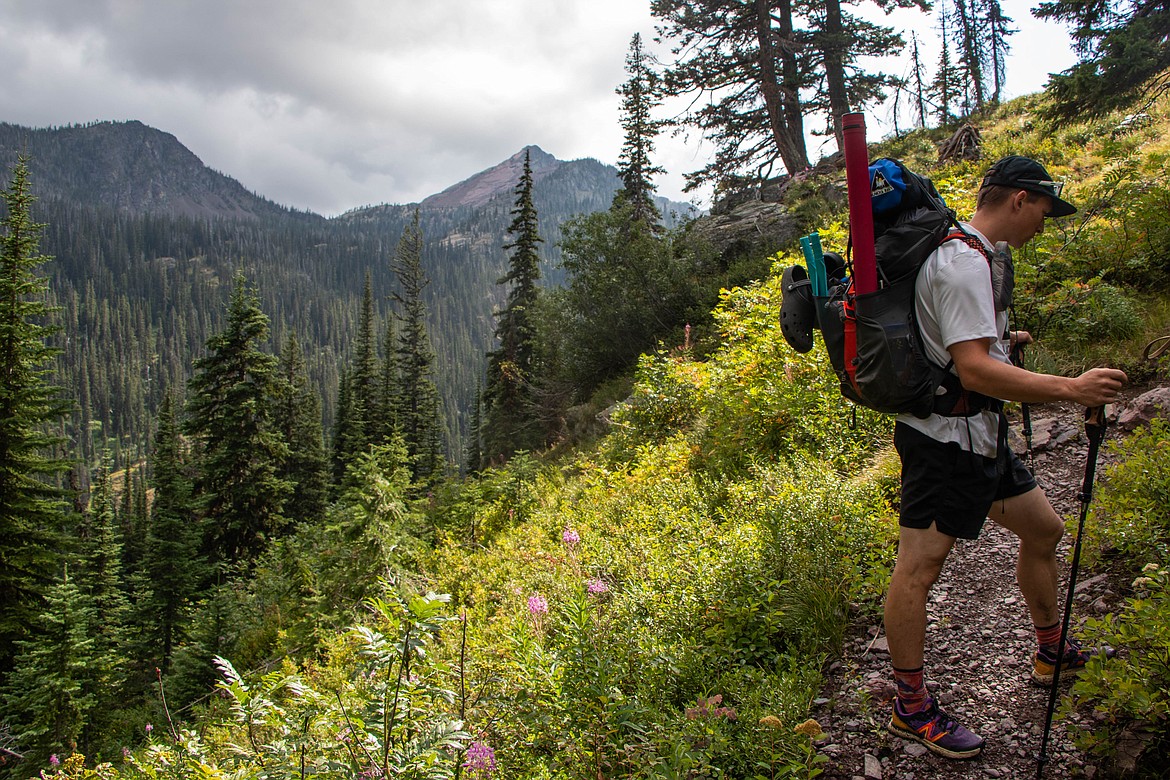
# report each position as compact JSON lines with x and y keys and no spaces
{"x":346,"y":433}
{"x":238,"y":450}
{"x":972,"y":54}
{"x":174,"y":567}
{"x":473,"y":458}
{"x":31,"y":505}
{"x":388,"y":396}
{"x":744,"y":56}
{"x":997,"y":29}
{"x":50,"y":697}
{"x":510,"y":425}
{"x":1124,"y":51}
{"x":419,"y":413}
{"x":944,"y":89}
{"x":838,"y":39}
{"x":99,"y":578}
{"x":364,"y":387}
{"x":297,"y":415}
{"x":639,"y":96}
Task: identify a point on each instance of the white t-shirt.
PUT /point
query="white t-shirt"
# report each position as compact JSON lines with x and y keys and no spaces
{"x":954,"y":302}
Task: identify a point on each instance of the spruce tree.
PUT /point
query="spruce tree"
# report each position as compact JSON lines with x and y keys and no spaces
{"x":346,"y":433}
{"x":972,"y":54}
{"x":237,"y":448}
{"x":473,"y":457}
{"x":32,"y":509}
{"x":364,"y":387}
{"x":174,"y":567}
{"x":944,"y":89}
{"x":639,"y":96}
{"x":997,"y":28}
{"x":297,"y":416}
{"x":510,"y":425}
{"x":419,"y":414}
{"x":388,"y":396}
{"x":99,"y":578}
{"x":50,"y":695}
{"x":1124,"y":52}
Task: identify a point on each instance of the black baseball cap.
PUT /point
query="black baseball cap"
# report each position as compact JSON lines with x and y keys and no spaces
{"x":1026,"y":174}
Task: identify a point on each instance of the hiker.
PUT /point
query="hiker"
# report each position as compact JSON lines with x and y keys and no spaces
{"x":958,"y":470}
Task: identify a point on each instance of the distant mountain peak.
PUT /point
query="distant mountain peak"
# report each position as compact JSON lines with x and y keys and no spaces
{"x":486,"y":185}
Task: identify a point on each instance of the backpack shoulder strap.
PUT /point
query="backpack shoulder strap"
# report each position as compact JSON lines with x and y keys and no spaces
{"x":958,"y":234}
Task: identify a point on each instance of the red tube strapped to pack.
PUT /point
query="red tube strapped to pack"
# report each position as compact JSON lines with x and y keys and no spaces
{"x":860,"y":204}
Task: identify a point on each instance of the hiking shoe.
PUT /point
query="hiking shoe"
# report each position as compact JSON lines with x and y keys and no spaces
{"x":937,"y":730}
{"x":1075,"y":658}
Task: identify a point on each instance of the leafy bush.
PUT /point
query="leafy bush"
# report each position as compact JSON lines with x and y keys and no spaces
{"x":381,"y":709}
{"x":1131,"y":514}
{"x":755,"y":401}
{"x":1130,"y":694}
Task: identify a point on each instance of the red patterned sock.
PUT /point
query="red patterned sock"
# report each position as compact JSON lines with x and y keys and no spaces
{"x":912,"y":693}
{"x":1048,"y":637}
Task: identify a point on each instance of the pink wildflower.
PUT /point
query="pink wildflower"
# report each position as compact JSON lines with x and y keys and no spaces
{"x":480,"y":761}
{"x":149,"y":728}
{"x":596,"y":587}
{"x":54,"y":761}
{"x":537,"y":605}
{"x":570,"y":537}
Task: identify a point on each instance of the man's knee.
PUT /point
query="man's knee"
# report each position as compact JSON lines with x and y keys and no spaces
{"x":921,"y":555}
{"x":917,"y":573}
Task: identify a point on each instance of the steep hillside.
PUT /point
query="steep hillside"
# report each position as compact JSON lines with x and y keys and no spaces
{"x":131,"y":167}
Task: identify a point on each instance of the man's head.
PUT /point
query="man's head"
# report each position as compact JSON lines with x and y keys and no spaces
{"x":1016,"y":195}
{"x":1014,"y":173}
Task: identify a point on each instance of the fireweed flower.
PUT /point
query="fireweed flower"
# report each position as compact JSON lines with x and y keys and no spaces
{"x":54,"y":761}
{"x":570,"y":537}
{"x":149,"y":728}
{"x":596,"y":587}
{"x":537,"y":605}
{"x":480,"y":761}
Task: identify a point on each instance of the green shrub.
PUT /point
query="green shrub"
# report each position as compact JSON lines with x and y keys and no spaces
{"x":1130,"y":694}
{"x":1131,"y":514}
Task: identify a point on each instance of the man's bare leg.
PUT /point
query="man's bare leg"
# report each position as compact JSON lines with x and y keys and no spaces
{"x":921,"y":554}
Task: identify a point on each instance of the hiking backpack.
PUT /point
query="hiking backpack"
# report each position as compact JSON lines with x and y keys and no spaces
{"x":873,"y":339}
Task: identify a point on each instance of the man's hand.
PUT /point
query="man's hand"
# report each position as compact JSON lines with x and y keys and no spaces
{"x":1018,"y":338}
{"x":1098,"y":386}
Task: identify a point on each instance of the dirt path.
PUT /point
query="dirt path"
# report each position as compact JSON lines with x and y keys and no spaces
{"x":978,"y":654}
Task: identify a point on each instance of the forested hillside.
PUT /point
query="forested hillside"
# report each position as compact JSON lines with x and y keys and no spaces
{"x":147,"y":239}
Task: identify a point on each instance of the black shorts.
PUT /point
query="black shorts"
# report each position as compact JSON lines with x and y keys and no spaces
{"x":946,"y":484}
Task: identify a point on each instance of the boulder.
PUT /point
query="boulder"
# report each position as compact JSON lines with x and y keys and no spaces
{"x":1147,"y":406}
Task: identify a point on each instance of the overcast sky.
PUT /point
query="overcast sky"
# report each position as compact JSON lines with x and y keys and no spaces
{"x":328,"y":106}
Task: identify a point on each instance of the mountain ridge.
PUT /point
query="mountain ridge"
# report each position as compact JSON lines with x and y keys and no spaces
{"x":133,"y":167}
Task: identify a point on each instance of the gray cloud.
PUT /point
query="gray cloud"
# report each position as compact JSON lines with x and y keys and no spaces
{"x":329,"y":106}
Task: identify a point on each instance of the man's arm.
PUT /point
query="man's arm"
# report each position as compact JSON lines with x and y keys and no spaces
{"x":980,"y":372}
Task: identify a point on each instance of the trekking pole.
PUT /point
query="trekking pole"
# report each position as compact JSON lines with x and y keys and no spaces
{"x":1095,"y":430}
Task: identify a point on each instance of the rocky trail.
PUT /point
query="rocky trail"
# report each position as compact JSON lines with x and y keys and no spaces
{"x":979,"y":643}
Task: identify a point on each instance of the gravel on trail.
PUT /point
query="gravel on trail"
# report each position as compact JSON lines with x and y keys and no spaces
{"x":979,"y":646}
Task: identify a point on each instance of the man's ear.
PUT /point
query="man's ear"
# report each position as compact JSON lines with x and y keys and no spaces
{"x":1019,"y":197}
